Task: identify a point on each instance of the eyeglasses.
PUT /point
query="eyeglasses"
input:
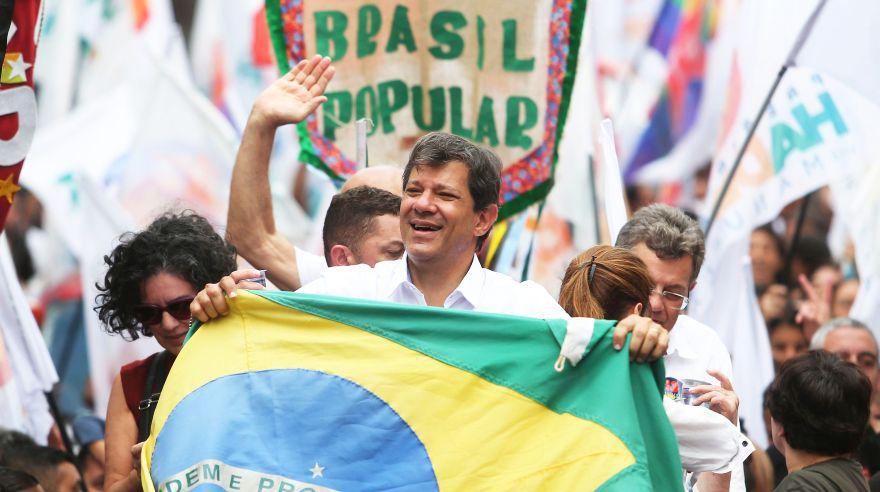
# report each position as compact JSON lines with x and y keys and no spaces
{"x":151,"y":314}
{"x":673,"y":300}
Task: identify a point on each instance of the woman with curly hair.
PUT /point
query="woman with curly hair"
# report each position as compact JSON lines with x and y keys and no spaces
{"x":151,"y":279}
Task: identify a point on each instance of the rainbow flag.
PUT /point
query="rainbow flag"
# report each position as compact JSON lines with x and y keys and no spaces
{"x":680,"y":35}
{"x":293,"y":392}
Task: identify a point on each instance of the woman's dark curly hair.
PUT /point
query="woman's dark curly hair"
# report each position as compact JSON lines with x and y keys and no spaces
{"x":182,"y":244}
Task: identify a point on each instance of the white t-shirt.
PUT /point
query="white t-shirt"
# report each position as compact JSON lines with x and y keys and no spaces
{"x":480,"y":290}
{"x":694,"y":349}
{"x":309,"y":265}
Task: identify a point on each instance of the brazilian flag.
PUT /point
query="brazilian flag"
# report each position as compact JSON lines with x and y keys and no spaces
{"x":303,"y":393}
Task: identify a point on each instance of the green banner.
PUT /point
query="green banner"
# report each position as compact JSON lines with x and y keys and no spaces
{"x":497,"y":73}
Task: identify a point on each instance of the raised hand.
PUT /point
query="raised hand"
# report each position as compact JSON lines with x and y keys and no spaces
{"x":773,"y":301}
{"x":294,"y":96}
{"x":815,"y":310}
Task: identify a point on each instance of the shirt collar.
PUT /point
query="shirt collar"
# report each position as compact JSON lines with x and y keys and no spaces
{"x":679,"y":343}
{"x":399,"y":276}
{"x":471,"y":286}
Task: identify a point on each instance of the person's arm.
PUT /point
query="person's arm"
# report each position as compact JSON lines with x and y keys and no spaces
{"x":714,"y":482}
{"x":250,"y":220}
{"x":121,"y":435}
{"x":724,"y":401}
{"x":707,"y":442}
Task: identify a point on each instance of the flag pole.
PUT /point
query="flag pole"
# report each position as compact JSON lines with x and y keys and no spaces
{"x":65,"y":437}
{"x":591,"y":176}
{"x":796,"y":238}
{"x":742,"y":149}
{"x":790,"y":61}
{"x":362,"y":157}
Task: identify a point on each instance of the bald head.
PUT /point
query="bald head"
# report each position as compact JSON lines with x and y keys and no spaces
{"x":386,"y":178}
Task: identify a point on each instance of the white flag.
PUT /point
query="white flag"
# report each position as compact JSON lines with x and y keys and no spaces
{"x":118,"y":39}
{"x":58,"y":55}
{"x":801,"y":143}
{"x":855,"y":193}
{"x":843,"y":44}
{"x":26,"y":369}
{"x":612,"y":182}
{"x":151,"y":144}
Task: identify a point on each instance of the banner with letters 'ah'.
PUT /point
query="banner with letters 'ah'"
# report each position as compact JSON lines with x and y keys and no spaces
{"x":497,"y":73}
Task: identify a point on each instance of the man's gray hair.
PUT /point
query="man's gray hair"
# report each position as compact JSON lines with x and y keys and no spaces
{"x":818,"y":341}
{"x":668,"y":232}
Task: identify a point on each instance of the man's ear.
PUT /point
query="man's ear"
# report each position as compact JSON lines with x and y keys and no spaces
{"x":693,"y":284}
{"x":341,"y":255}
{"x":485,"y":219}
{"x":638,"y":310}
{"x":777,"y":433}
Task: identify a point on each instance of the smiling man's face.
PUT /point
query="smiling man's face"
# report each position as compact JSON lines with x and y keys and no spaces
{"x":437,"y":217}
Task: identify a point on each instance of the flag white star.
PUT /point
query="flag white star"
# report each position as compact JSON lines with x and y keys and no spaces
{"x":317,"y":471}
{"x":17,"y":66}
{"x":11,"y":33}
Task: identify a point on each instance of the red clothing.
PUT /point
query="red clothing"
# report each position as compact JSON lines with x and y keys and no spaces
{"x":134,"y":381}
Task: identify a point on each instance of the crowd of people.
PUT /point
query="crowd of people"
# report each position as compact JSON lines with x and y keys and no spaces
{"x":412,"y":235}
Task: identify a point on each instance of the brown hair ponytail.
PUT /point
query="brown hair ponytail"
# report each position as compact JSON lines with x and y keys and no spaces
{"x":605,"y":282}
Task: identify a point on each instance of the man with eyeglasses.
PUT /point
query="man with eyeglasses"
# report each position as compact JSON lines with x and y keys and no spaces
{"x":672,"y":246}
{"x":854,"y":342}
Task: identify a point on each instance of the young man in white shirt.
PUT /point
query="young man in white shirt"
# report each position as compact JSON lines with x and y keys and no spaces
{"x":672,"y":246}
{"x":450,"y":203}
{"x":294,"y":267}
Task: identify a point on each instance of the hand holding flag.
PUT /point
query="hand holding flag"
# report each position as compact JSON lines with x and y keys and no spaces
{"x":211,"y":301}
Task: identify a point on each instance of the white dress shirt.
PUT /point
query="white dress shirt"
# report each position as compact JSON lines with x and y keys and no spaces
{"x":480,"y":290}
{"x":705,"y":442}
{"x":309,"y":265}
{"x":694,"y":349}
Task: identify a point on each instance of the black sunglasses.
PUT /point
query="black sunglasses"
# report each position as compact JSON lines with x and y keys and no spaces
{"x":151,"y":314}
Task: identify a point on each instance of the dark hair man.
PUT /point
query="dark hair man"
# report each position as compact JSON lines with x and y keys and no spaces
{"x":361,"y":226}
{"x":818,"y":414}
{"x":672,"y":246}
{"x":54,"y":469}
{"x":18,"y":481}
{"x":450,"y":203}
{"x":11,"y":440}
